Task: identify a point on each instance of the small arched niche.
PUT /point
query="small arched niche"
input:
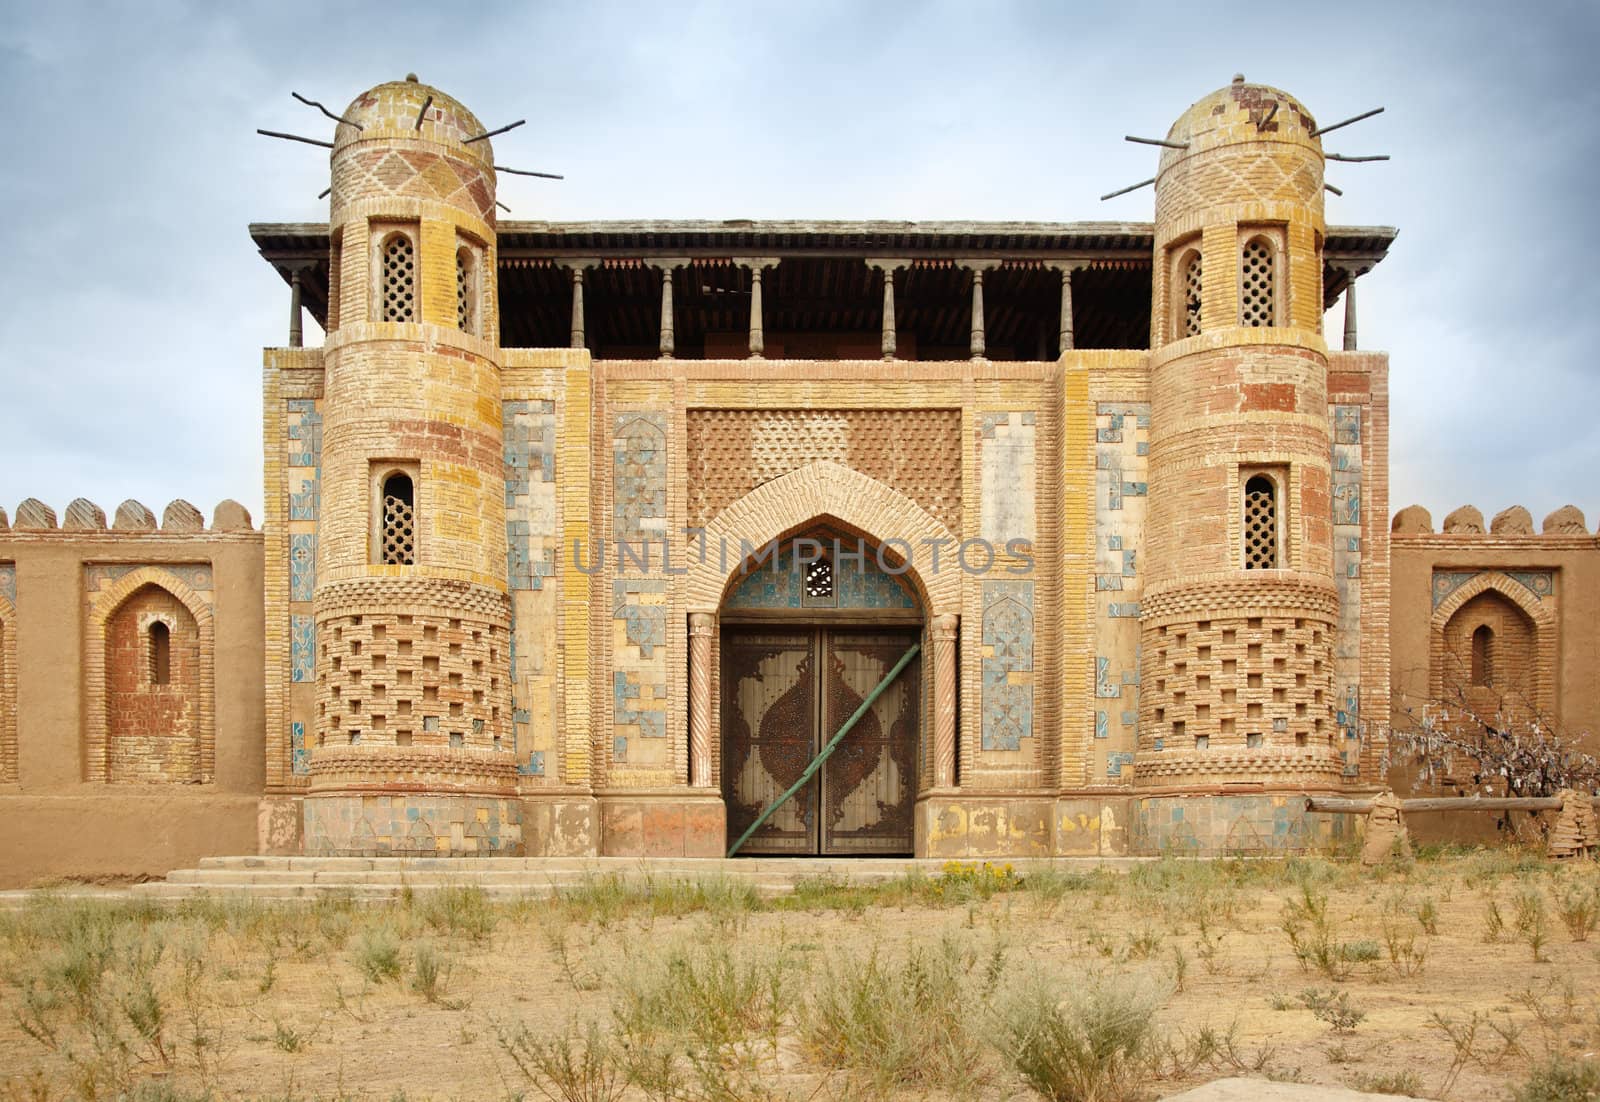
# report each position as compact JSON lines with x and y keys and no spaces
{"x":154,"y":723}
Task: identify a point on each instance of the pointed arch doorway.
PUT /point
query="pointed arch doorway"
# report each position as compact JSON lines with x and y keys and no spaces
{"x":806,"y":635}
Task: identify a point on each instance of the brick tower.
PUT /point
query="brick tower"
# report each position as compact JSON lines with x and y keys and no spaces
{"x":1238,"y":617}
{"x":412,"y":748}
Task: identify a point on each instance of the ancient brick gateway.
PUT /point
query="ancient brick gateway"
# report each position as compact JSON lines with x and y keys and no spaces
{"x":585,"y":538}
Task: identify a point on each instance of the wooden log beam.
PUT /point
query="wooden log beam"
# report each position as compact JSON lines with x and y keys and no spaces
{"x":1482,"y":803}
{"x":1440,"y":803}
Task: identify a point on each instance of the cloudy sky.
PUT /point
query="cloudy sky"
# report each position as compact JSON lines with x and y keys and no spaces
{"x":136,"y":308}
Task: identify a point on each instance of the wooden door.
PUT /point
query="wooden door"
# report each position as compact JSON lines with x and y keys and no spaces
{"x":869,"y":785}
{"x":785,"y":692}
{"x":769,"y":736}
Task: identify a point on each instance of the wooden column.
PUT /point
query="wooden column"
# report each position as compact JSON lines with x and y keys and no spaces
{"x":701,"y":629}
{"x":1066,"y":268}
{"x":758,"y":332}
{"x":758,"y":336}
{"x":579,"y":337}
{"x":296,"y":333}
{"x":667,"y":337}
{"x":942,"y":631}
{"x":979,"y":337}
{"x":888,"y":268}
{"x":1350,"y":313}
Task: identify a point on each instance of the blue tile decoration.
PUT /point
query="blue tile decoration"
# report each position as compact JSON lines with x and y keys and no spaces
{"x":1224,"y":825}
{"x":1347,"y":424}
{"x":639,"y":519}
{"x":305,"y":431}
{"x":1446,"y":582}
{"x":303,"y":483}
{"x":1115,"y":760}
{"x":197,"y":576}
{"x":639,"y":477}
{"x":644,"y":625}
{"x":302,"y":648}
{"x":304,"y":458}
{"x":858,"y":584}
{"x":299,"y":755}
{"x":8,"y":581}
{"x":534,"y":766}
{"x":1541,"y":583}
{"x":302,"y":565}
{"x":1347,"y":464}
{"x":1122,"y":446}
{"x":1104,"y":685}
{"x":530,"y":468}
{"x":1007,"y":668}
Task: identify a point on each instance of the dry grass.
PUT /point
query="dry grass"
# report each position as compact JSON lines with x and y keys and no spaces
{"x":975,"y":983}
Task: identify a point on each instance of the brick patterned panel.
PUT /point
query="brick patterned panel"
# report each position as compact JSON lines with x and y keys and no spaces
{"x":1214,"y":688}
{"x":414,"y":173}
{"x":399,"y":679}
{"x":154,"y":734}
{"x":917,"y":452}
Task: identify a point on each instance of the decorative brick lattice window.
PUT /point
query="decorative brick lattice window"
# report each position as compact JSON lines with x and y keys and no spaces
{"x":465,"y":295}
{"x":819,"y":580}
{"x":1191,"y":295}
{"x":1256,"y":305}
{"x":399,"y":522}
{"x":1260,"y":524}
{"x":399,"y":279}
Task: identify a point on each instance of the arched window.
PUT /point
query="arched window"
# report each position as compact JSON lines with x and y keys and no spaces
{"x":1189,"y":287}
{"x":398,"y":540}
{"x":1482,"y":655}
{"x":1260,"y":523}
{"x":160,"y":651}
{"x":1257,"y":285}
{"x":466,"y":290}
{"x":399,"y":290}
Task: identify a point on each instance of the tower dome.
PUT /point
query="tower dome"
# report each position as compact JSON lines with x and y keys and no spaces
{"x":409,"y":109}
{"x":1241,"y":112}
{"x":407,"y":141}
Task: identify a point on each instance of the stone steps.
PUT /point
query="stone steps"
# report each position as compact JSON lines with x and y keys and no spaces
{"x":509,"y":878}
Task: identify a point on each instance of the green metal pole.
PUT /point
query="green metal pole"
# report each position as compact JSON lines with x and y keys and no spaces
{"x":833,"y":743}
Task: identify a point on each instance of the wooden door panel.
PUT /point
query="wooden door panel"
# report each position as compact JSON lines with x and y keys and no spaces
{"x":869,"y":785}
{"x":769,"y":732}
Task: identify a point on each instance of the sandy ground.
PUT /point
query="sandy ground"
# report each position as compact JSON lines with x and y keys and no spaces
{"x":289,"y":1013}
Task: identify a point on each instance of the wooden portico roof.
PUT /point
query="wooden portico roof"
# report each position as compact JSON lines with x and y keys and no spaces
{"x":822,"y":283}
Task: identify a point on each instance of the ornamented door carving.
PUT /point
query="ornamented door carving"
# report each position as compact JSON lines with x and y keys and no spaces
{"x":784,"y":694}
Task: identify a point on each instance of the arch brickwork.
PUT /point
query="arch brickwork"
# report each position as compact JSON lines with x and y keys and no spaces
{"x":98,"y":671}
{"x":1539,"y":684}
